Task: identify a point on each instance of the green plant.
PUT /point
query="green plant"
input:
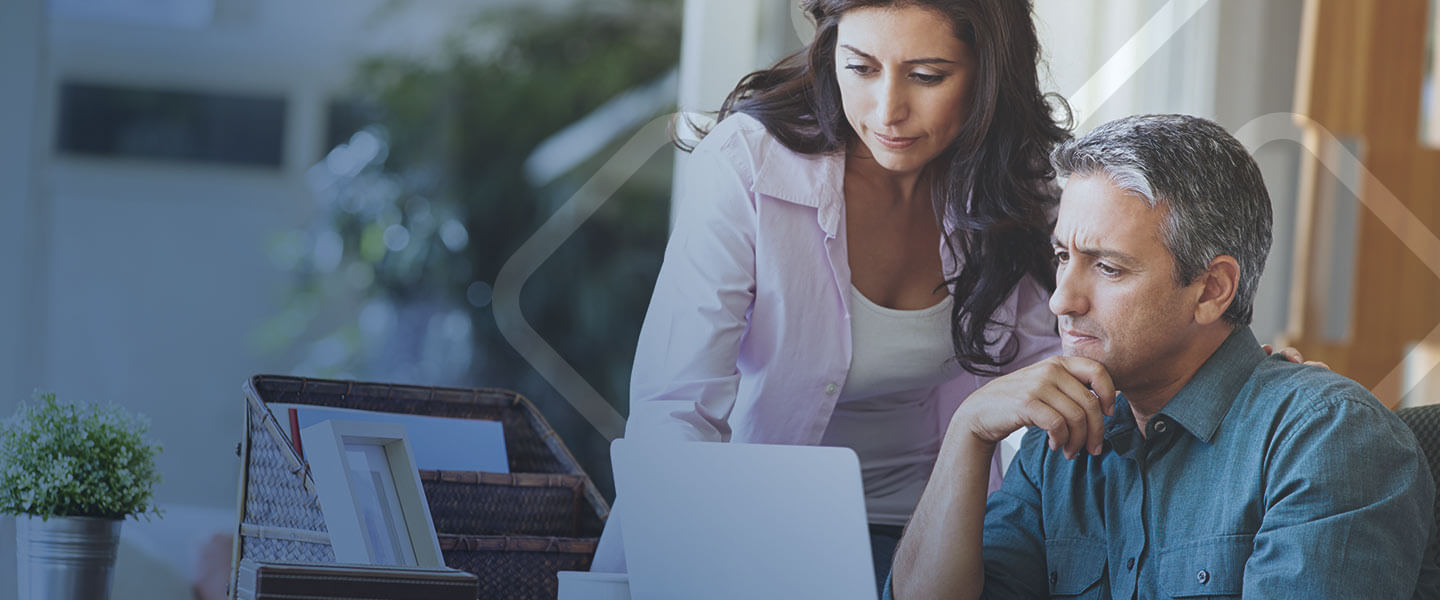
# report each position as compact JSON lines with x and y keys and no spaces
{"x":429,"y":198}
{"x":68,"y":460}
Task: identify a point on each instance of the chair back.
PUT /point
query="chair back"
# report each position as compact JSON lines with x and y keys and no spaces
{"x":1424,"y":421}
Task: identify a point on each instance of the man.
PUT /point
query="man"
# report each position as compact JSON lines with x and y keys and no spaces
{"x":1168,"y":457}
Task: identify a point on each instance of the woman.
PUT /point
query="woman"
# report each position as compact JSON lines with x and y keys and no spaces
{"x":863,"y":240}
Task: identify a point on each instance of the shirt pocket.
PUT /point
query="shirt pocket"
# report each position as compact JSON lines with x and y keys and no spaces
{"x":1207,"y":568}
{"x":1076,"y":568}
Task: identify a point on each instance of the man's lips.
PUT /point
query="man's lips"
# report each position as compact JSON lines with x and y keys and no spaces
{"x":1076,"y":337}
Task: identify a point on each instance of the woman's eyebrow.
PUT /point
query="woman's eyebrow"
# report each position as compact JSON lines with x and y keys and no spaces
{"x":933,"y":60}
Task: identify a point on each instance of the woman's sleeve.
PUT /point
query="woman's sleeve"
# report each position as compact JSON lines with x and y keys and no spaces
{"x":1035,"y":326}
{"x":684,"y":380}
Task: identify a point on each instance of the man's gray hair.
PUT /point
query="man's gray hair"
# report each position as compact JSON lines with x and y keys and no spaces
{"x":1216,"y":199}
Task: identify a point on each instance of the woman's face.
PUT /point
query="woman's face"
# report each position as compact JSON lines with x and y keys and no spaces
{"x":905,"y":82}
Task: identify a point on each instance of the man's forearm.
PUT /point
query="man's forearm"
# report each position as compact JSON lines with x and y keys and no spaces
{"x":940,"y":553}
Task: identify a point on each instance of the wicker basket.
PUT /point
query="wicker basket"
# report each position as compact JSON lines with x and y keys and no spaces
{"x":514,"y":531}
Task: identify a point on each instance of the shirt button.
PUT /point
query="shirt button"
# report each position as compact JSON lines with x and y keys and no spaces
{"x":1160,"y":427}
{"x":1130,"y":564}
{"x":1203,"y":577}
{"x":830,"y":389}
{"x":1054,"y":578}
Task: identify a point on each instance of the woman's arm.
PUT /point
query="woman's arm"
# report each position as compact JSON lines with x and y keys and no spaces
{"x":684,"y":380}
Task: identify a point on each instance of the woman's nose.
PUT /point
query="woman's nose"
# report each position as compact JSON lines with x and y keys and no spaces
{"x":891,"y":107}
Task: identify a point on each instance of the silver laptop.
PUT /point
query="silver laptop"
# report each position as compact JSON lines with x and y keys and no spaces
{"x":708,"y":520}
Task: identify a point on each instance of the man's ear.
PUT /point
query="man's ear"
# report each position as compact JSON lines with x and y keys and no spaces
{"x":1219,"y":282}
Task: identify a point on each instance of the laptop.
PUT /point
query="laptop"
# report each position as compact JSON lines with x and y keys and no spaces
{"x":710,"y":520}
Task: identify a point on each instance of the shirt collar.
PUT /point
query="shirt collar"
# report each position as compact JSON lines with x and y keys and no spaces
{"x":1201,"y":405}
{"x":815,"y":180}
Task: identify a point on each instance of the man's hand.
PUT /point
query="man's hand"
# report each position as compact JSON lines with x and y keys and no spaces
{"x":1054,"y":395}
{"x":940,"y":553}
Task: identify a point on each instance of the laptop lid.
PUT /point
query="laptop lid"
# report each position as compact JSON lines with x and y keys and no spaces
{"x":710,"y":520}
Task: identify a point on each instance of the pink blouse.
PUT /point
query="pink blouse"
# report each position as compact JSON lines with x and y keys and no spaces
{"x":748,"y":338}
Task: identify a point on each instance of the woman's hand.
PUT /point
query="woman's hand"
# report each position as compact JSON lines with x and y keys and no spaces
{"x":1054,"y":395}
{"x":1293,"y":355}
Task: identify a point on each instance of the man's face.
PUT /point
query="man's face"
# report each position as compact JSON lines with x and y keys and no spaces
{"x":1116,"y":295}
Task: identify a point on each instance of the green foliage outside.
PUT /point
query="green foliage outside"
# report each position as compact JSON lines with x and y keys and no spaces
{"x":67,"y":460}
{"x":419,"y":229}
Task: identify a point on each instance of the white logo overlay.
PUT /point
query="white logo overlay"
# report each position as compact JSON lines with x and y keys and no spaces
{"x":1107,"y":80}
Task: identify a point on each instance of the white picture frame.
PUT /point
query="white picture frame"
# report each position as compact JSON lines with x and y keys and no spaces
{"x":370,"y":494}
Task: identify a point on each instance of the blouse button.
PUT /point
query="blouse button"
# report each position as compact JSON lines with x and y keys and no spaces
{"x":830,"y":389}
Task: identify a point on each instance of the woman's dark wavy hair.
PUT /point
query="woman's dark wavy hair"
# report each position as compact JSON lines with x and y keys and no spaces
{"x":1000,"y":159}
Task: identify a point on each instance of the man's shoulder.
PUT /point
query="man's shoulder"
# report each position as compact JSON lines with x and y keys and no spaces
{"x":1296,"y":398}
{"x":1282,"y":384}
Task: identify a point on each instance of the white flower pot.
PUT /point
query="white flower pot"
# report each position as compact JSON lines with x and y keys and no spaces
{"x":66,"y":558}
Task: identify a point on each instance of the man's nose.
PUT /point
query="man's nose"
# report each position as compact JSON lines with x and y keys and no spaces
{"x":1069,"y":297}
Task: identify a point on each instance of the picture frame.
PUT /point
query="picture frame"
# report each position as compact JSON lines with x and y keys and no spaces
{"x":370,"y":494}
{"x":438,"y":443}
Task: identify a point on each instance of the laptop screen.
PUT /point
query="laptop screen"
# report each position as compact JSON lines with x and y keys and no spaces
{"x":713,"y":520}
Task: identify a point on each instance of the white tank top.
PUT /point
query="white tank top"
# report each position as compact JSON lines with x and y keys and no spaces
{"x":886,"y":411}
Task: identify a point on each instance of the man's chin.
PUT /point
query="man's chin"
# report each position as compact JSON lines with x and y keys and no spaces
{"x":1094,"y":354}
{"x":1082,"y":351}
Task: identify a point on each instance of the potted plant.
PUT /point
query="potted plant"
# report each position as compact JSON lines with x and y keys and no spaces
{"x":71,"y":474}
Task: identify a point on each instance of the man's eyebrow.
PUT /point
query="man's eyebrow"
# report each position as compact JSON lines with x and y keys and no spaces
{"x":933,"y":60}
{"x":1102,"y":253}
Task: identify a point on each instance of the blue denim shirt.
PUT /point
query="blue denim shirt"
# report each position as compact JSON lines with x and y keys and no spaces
{"x":1260,"y":478}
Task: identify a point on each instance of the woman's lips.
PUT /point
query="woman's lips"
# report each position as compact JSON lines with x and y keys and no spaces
{"x":895,"y":143}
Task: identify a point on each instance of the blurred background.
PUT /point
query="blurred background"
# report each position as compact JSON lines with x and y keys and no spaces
{"x":196,"y":191}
